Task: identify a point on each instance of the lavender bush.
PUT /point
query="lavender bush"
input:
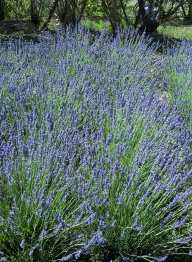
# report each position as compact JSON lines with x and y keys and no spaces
{"x":177,"y":73}
{"x":90,"y":158}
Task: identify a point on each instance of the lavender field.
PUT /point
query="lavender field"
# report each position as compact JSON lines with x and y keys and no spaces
{"x":95,"y":165}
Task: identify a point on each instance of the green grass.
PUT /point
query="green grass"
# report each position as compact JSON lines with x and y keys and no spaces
{"x":176,"y":30}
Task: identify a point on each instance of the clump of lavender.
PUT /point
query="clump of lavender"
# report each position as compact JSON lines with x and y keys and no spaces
{"x":177,"y":76}
{"x":90,"y":159}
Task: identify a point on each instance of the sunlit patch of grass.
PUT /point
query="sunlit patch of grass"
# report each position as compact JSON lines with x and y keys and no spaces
{"x":176,"y":31}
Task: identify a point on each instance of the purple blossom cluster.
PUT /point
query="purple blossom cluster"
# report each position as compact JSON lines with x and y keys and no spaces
{"x":89,"y":157}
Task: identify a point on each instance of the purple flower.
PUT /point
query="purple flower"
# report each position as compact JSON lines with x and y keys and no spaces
{"x":183,"y":240}
{"x":3,"y":259}
{"x":43,"y":235}
{"x":66,"y":258}
{"x":22,"y":245}
{"x":161,"y":259}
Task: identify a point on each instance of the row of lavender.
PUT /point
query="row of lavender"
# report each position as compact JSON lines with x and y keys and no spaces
{"x":89,"y":156}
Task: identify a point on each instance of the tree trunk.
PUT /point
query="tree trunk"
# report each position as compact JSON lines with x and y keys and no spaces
{"x":34,"y":16}
{"x":63,"y":14}
{"x":184,"y":13}
{"x":111,"y":9}
{"x":52,"y":10}
{"x":189,"y":16}
{"x":2,"y":14}
{"x":37,"y":14}
{"x":69,"y":12}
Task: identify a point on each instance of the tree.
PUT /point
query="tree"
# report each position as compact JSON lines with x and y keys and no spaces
{"x":15,"y":9}
{"x":70,"y":11}
{"x":188,"y":16}
{"x":111,"y":8}
{"x":149,"y":22}
{"x":52,"y":10}
{"x":115,"y":11}
{"x":39,"y":10}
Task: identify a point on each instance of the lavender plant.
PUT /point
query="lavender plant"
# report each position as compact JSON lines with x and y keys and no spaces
{"x":90,"y":159}
{"x":177,"y":73}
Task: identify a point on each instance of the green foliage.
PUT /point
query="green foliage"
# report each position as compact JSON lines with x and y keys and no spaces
{"x":89,"y":24}
{"x":94,"y":9}
{"x":93,"y":6}
{"x":100,"y":25}
{"x":9,"y":7}
{"x":15,"y":10}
